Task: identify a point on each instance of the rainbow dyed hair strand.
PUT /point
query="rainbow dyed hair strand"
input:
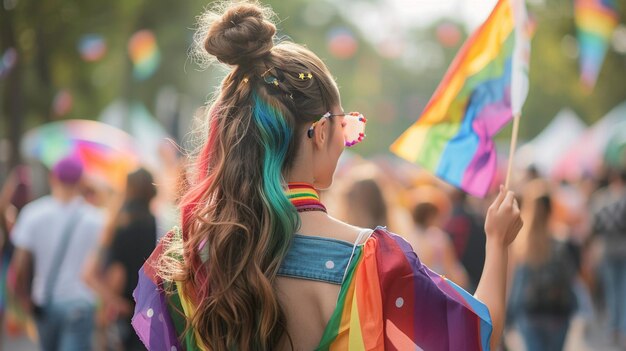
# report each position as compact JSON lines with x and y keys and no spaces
{"x":275,"y":137}
{"x":196,"y":196}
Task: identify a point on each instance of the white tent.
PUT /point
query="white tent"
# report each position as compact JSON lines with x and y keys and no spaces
{"x":586,"y":154}
{"x":547,"y":147}
{"x":148,"y":133}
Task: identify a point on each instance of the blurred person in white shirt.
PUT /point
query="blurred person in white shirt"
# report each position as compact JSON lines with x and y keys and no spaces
{"x":53,"y":236}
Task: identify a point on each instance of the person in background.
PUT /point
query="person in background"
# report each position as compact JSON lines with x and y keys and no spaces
{"x":134,"y":238}
{"x":465,"y":227}
{"x":54,"y":235}
{"x":14,"y":195}
{"x":365,"y":205}
{"x":542,"y":298}
{"x":608,"y":207}
{"x":433,"y":245}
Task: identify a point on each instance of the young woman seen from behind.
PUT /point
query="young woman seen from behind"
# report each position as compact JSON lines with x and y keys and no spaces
{"x":258,"y":264}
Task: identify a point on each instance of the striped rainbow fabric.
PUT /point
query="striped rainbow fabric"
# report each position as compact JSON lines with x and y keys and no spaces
{"x":595,"y":21}
{"x":484,"y":87}
{"x":156,"y":311}
{"x":388,"y":301}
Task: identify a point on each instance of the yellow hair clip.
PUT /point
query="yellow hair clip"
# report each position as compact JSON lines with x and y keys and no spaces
{"x":302,"y":76}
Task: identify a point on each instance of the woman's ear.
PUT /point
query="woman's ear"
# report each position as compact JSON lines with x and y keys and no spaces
{"x":320,"y":133}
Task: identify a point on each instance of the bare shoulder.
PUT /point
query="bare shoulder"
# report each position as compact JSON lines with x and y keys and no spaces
{"x":327,"y":226}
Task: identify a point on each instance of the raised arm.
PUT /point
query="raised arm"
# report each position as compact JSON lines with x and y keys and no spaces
{"x":502,"y":224}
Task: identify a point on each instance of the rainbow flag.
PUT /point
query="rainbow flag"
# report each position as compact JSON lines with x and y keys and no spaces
{"x":391,"y":301}
{"x":388,"y":301}
{"x":484,"y":87}
{"x":595,"y":21}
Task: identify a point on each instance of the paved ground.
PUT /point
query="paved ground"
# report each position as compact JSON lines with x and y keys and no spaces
{"x":20,"y":344}
{"x":578,"y":339}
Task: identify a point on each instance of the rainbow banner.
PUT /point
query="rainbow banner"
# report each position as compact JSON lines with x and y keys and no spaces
{"x":107,"y":153}
{"x":595,"y":21}
{"x":484,"y":87}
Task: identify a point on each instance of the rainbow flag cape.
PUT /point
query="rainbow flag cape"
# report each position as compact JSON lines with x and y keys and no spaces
{"x":388,"y":301}
{"x":484,"y":87}
{"x":595,"y":21}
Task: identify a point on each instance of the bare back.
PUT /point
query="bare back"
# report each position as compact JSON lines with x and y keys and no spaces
{"x":309,"y":304}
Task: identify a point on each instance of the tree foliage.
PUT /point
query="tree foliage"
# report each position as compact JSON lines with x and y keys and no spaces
{"x":389,"y":91}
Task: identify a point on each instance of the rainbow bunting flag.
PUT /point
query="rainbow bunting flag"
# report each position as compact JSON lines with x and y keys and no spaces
{"x":144,"y":53}
{"x":595,"y":21}
{"x":484,"y":87}
{"x":388,"y":301}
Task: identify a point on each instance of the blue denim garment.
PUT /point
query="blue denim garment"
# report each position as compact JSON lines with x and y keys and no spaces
{"x":66,"y":326}
{"x":317,"y":258}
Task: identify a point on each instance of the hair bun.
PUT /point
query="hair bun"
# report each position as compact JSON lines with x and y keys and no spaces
{"x":242,"y":34}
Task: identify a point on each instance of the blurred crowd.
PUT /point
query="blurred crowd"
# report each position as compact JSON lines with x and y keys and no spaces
{"x":71,"y":250}
{"x":567,"y":273}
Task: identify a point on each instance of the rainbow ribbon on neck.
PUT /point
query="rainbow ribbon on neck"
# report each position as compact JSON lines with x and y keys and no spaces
{"x":304,"y":197}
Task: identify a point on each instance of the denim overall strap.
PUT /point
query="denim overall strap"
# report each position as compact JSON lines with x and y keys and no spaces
{"x":319,"y":258}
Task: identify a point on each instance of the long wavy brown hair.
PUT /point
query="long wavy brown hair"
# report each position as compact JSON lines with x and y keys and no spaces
{"x":237,"y":223}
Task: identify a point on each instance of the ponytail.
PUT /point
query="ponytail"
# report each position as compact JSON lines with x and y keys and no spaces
{"x":237,"y":222}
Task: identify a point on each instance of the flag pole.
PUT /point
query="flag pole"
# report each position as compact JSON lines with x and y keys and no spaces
{"x":512,"y":149}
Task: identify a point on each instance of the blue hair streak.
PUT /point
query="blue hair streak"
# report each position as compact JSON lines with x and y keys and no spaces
{"x":276,"y":135}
